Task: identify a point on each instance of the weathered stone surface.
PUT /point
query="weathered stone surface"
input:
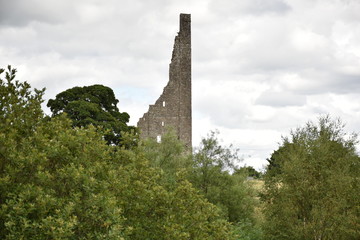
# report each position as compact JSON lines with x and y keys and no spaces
{"x":173,"y":107}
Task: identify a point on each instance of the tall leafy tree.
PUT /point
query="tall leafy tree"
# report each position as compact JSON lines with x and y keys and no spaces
{"x":212,"y":175}
{"x":315,"y":195}
{"x":95,"y":105}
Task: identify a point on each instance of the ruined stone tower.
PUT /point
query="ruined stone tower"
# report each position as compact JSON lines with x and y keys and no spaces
{"x":173,"y":107}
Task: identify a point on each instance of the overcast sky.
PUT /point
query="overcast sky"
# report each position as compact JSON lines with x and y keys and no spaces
{"x":260,"y":67}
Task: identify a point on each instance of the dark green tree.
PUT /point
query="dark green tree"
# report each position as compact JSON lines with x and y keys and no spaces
{"x":92,"y":105}
{"x":249,"y":171}
{"x":275,"y":161}
{"x":315,"y":195}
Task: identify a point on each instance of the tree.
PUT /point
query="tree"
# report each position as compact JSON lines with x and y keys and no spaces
{"x":274,"y":166}
{"x":95,"y":105}
{"x":315,"y":195}
{"x":52,"y":177}
{"x":249,"y":171}
{"x":61,"y":182}
{"x":210,"y":174}
{"x":213,"y":165}
{"x":155,"y":211}
{"x":170,"y":155}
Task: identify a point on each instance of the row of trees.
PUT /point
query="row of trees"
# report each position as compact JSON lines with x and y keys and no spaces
{"x":84,"y":174}
{"x":63,"y":182}
{"x":61,"y":177}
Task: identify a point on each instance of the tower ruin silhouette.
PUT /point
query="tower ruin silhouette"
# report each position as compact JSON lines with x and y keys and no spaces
{"x":173,"y":107}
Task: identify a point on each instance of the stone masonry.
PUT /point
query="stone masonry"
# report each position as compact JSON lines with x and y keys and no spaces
{"x":173,"y":108}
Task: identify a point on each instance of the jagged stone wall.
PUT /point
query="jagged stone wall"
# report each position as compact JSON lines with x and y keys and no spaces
{"x":173,"y":107}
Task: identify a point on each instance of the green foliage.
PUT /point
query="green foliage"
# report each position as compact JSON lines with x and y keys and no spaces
{"x":170,"y":155}
{"x":274,"y":166}
{"x":11,"y":117}
{"x":60,"y":182}
{"x":212,"y":162}
{"x":92,"y":105}
{"x":211,"y":175}
{"x":249,"y":171}
{"x":247,"y":230}
{"x":315,"y":195}
{"x":154,"y":212}
{"x":47,"y":183}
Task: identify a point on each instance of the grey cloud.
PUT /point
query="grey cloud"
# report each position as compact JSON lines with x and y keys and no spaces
{"x":272,"y":49}
{"x":113,"y":35}
{"x":266,"y":6}
{"x":251,"y":7}
{"x":330,"y":81}
{"x":280,"y":99}
{"x":344,"y":83}
{"x":269,"y":45}
{"x":222,"y":110}
{"x":22,"y":12}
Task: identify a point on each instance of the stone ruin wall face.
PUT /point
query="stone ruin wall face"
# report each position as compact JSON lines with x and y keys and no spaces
{"x":173,"y":108}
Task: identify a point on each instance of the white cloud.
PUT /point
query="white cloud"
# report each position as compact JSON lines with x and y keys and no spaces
{"x":305,"y":40}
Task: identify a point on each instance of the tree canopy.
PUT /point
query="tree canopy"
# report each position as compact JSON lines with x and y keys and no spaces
{"x":95,"y":105}
{"x":315,"y":191}
{"x":212,"y":171}
{"x":249,"y":171}
{"x":64,"y":178}
{"x":170,"y":155}
{"x":212,"y":175}
{"x":63,"y":182}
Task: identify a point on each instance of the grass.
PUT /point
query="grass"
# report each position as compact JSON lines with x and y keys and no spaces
{"x":257,"y":185}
